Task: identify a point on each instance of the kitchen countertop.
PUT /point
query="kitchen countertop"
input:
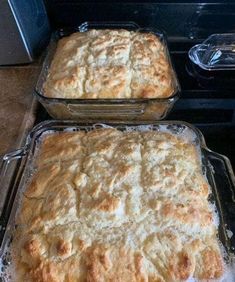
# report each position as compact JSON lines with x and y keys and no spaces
{"x":17,"y":112}
{"x":18,"y":105}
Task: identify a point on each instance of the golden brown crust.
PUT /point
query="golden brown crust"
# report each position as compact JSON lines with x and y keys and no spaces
{"x":110,"y":64}
{"x":44,"y":273}
{"x":210,"y":264}
{"x":101,"y":265}
{"x":108,"y":203}
{"x":181,"y":267}
{"x":117,"y":206}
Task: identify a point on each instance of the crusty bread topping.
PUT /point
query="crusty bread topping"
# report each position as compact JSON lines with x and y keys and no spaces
{"x":109,"y":64}
{"x":121,"y":206}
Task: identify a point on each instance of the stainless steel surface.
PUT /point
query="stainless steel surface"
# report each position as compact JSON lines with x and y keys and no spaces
{"x":11,"y":39}
{"x":24,"y":30}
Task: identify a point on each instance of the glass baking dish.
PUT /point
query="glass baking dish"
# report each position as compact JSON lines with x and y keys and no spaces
{"x":216,"y":167}
{"x":213,"y":80}
{"x":101,"y":109}
{"x":212,"y":63}
{"x":217,"y":52}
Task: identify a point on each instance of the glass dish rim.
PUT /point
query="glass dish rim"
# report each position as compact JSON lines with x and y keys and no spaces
{"x":25,"y":149}
{"x":115,"y":123}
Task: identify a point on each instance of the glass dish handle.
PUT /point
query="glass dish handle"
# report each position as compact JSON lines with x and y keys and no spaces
{"x":6,"y":173}
{"x":106,"y":109}
{"x":224,"y":172}
{"x":224,"y":182}
{"x":109,"y":24}
{"x":196,"y":53}
{"x":6,"y":159}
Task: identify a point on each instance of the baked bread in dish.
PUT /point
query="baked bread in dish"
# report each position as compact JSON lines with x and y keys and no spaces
{"x":110,"y":205}
{"x":110,"y":64}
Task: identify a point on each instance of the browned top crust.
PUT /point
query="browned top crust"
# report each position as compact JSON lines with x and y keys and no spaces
{"x":110,"y":64}
{"x":116,"y":206}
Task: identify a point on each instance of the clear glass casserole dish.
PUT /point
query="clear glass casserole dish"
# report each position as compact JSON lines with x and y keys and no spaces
{"x":101,"y":109}
{"x":216,"y":167}
{"x":216,"y":53}
{"x":214,"y":80}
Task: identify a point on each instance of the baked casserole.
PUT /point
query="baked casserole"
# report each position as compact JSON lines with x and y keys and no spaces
{"x":111,"y":205}
{"x":112,"y":64}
